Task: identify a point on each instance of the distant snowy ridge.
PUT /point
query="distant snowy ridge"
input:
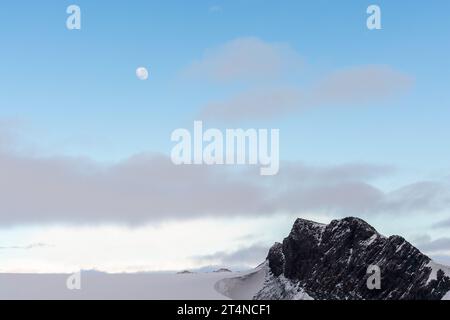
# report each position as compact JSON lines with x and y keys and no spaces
{"x":244,"y":286}
{"x":260,"y":284}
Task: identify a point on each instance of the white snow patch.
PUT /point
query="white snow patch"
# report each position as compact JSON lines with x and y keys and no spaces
{"x":350,"y":256}
{"x":369,"y":241}
{"x":447,"y":296}
{"x":400,"y":247}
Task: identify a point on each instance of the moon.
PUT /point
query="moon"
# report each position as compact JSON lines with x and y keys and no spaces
{"x":142,"y":73}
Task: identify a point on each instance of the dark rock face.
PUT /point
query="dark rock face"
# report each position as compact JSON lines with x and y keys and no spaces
{"x":331,"y":262}
{"x":276,"y":261}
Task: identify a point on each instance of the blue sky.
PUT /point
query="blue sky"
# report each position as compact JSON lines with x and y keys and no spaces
{"x":75,"y":93}
{"x":82,"y":95}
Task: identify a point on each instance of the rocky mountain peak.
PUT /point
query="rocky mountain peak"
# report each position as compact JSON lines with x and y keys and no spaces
{"x":331,"y":262}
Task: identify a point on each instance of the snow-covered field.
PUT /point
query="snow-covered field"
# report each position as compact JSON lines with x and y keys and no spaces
{"x":151,"y":286}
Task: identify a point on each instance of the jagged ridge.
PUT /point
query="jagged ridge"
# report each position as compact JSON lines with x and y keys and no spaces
{"x":331,"y":261}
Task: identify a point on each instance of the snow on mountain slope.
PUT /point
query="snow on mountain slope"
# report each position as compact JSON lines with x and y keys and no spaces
{"x":243,"y":287}
{"x":280,"y":288}
{"x":260,"y":284}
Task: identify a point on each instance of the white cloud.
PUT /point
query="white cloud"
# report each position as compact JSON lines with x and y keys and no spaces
{"x":149,"y":188}
{"x":444,"y":224}
{"x":167,"y":246}
{"x":245,"y":59}
{"x":359,"y":86}
{"x":256,"y":104}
